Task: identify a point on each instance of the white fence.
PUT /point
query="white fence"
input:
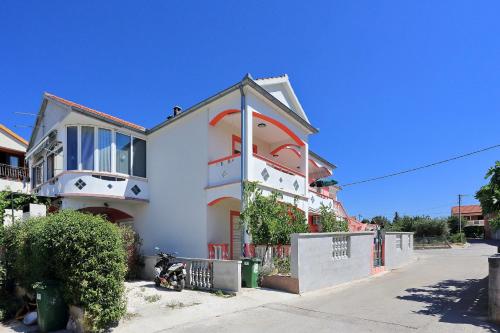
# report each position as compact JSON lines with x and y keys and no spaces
{"x":206,"y":274}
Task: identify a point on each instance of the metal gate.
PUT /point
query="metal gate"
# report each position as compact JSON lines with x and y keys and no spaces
{"x":378,"y":253}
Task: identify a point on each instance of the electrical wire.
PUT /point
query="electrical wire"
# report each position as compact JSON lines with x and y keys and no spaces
{"x":420,"y":167}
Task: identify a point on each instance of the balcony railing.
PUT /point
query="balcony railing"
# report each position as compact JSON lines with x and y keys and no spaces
{"x":227,"y":170}
{"x":12,"y":172}
{"x":88,"y":183}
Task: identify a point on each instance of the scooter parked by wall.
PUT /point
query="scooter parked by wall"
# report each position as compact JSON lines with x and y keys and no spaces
{"x":169,"y":273}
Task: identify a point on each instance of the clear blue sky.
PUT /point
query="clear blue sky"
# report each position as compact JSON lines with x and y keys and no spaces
{"x":390,"y":84}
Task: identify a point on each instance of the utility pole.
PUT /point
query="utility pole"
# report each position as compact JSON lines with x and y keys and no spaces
{"x":460,"y":214}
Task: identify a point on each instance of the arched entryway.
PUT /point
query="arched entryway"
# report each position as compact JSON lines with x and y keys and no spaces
{"x":111,"y":214}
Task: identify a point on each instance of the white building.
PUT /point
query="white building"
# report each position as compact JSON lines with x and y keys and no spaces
{"x":13,"y":174}
{"x":179,"y":183}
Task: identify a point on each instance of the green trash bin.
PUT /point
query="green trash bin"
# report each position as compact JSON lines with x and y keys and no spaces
{"x":52,"y":311}
{"x":250,"y":272}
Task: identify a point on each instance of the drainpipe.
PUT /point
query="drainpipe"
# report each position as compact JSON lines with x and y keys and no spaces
{"x":245,"y":237}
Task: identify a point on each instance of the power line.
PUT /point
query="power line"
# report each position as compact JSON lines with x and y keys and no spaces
{"x":420,"y":167}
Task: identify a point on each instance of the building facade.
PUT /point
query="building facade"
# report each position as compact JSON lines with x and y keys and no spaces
{"x":179,"y":184}
{"x":13,"y":173}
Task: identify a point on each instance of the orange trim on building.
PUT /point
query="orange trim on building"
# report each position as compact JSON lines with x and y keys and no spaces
{"x":273,"y":121}
{"x":12,"y":134}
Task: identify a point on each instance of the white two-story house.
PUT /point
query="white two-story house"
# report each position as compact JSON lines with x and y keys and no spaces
{"x":179,"y":183}
{"x":13,"y":173}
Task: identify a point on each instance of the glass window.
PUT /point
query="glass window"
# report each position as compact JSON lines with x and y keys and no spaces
{"x":139,"y":149}
{"x":14,"y":161}
{"x":72,"y":148}
{"x":87,"y":148}
{"x":50,"y":166}
{"x":104,"y":150}
{"x":123,"y":153}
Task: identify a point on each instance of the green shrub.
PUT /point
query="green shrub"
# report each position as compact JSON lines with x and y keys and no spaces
{"x":84,"y":252}
{"x":422,"y":226}
{"x":495,"y":223}
{"x":330,"y":222}
{"x":457,"y":238}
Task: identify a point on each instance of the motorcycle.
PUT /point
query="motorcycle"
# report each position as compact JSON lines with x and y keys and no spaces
{"x":168,"y":272}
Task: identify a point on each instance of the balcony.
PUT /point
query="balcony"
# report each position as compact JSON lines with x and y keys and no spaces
{"x":227,"y":170}
{"x":95,"y":184}
{"x":474,"y":223}
{"x":13,"y":173}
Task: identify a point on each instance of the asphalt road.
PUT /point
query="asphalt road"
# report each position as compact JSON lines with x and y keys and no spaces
{"x":443,"y":291}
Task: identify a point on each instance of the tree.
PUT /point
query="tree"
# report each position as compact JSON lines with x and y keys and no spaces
{"x":330,"y":222}
{"x":365,"y":221}
{"x":381,"y":221}
{"x":489,"y":194}
{"x":396,"y":218}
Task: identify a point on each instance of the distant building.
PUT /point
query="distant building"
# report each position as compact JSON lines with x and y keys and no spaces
{"x":472,"y":215}
{"x":13,"y":173}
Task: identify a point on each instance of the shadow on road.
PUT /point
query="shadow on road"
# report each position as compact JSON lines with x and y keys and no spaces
{"x":455,"y":301}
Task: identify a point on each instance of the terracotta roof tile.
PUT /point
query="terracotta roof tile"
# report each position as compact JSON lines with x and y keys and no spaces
{"x":95,"y":112}
{"x":469,"y":209}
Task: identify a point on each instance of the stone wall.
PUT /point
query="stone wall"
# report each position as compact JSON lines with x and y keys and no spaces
{"x":321,"y":260}
{"x":398,"y":249}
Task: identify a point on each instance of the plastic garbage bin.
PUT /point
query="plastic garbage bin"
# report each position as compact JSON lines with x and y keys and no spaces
{"x":250,"y":272}
{"x":52,"y":311}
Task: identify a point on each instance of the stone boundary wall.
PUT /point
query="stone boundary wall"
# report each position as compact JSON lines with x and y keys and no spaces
{"x":398,"y":249}
{"x":321,"y":260}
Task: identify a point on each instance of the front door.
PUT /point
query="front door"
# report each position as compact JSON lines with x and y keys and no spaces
{"x":235,"y":234}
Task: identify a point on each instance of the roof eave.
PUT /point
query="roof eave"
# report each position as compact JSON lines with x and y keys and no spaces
{"x":322,"y":160}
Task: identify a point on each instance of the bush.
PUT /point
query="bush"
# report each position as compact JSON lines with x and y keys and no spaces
{"x":457,"y":238}
{"x":422,"y":226}
{"x":330,"y":222}
{"x":135,"y":260}
{"x":84,"y":252}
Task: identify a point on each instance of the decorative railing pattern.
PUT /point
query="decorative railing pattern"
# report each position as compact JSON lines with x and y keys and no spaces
{"x":341,"y":247}
{"x":218,"y":251}
{"x":12,"y":172}
{"x":200,"y":273}
{"x":275,"y":251}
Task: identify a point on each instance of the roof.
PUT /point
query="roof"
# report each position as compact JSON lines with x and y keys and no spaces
{"x":94,"y":112}
{"x":12,"y":134}
{"x":246,"y":81}
{"x":469,"y":209}
{"x":321,"y":159}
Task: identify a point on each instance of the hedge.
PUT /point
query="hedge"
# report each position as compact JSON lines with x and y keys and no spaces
{"x":84,"y":252}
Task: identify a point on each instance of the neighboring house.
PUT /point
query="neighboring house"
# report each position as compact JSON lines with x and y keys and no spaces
{"x":472,"y":215}
{"x":179,"y":183}
{"x":13,"y":173}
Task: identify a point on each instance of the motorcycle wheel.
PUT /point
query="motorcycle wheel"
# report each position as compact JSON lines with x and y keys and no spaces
{"x":180,"y":285}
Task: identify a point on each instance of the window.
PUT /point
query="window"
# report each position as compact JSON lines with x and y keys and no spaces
{"x":139,"y":154}
{"x":104,"y":150}
{"x":316,"y":219}
{"x":123,"y":153}
{"x":72,"y":149}
{"x":50,"y":166}
{"x":37,"y":175}
{"x":14,"y":161}
{"x":87,"y":150}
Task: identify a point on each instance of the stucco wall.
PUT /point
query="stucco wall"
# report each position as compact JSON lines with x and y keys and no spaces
{"x":176,"y":218}
{"x":9,"y":142}
{"x":314,"y":266}
{"x":395,"y":256}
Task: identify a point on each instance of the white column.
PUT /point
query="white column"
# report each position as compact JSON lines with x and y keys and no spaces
{"x":246,"y":157}
{"x":304,"y":167}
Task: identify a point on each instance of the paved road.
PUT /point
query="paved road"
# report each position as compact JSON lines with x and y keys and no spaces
{"x":444,"y":291}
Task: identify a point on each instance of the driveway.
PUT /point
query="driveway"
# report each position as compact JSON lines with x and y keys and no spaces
{"x":443,"y":291}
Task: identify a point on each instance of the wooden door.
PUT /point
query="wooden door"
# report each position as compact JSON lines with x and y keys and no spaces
{"x":235,"y":235}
